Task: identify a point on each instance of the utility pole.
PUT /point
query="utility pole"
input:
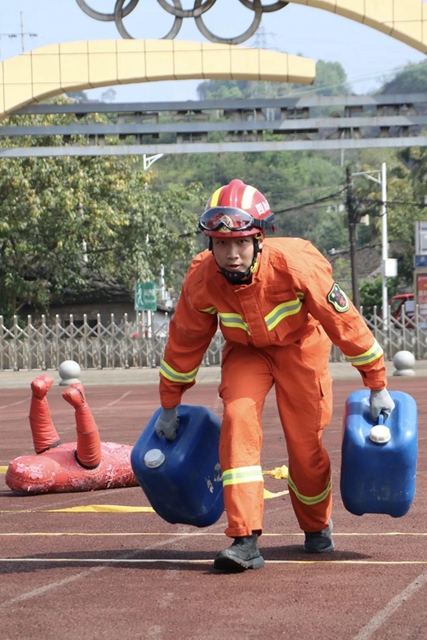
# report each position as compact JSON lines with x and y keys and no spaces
{"x":384,"y":243}
{"x":388,"y":267}
{"x":23,"y":33}
{"x":352,"y":222}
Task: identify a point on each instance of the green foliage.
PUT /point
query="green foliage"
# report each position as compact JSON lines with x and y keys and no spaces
{"x":412,"y":79}
{"x":78,"y":96}
{"x":286,"y":179}
{"x":330,"y":80}
{"x":371,"y":295}
{"x":342,"y":274}
{"x":50,"y":206}
{"x":405,"y":195}
{"x":134,"y":221}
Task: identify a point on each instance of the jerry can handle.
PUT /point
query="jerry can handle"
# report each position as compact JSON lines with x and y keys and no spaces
{"x":380,"y":433}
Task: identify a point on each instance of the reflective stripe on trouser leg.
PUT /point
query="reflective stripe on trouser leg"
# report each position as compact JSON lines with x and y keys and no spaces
{"x":304,"y":397}
{"x":246,"y":380}
{"x":310,"y":501}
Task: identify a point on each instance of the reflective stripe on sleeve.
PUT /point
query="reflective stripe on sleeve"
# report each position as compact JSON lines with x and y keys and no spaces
{"x":242,"y":475}
{"x":282,"y":311}
{"x":175,"y":376}
{"x":211,"y":310}
{"x":308,"y":499}
{"x":371,"y":355}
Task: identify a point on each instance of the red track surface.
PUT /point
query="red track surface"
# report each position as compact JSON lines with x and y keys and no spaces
{"x":132,"y":575}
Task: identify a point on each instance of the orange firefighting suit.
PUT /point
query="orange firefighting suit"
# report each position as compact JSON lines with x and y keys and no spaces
{"x":278,"y":330}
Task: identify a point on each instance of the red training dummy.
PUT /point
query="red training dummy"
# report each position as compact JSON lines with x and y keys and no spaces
{"x":85,"y":465}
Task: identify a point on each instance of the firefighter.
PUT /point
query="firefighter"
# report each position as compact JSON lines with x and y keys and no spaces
{"x":279,"y":309}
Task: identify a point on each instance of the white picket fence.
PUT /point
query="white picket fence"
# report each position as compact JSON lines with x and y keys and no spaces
{"x":123,"y":343}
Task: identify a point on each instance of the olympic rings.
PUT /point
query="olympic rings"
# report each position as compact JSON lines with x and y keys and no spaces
{"x":119,"y":13}
{"x":200,"y":7}
{"x":238,"y":39}
{"x":106,"y":17}
{"x":189,"y":13}
{"x":267,"y":8}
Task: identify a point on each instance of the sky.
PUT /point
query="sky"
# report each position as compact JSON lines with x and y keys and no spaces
{"x":367,"y":56}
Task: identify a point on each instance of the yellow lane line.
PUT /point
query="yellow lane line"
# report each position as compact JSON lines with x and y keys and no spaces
{"x":87,"y":508}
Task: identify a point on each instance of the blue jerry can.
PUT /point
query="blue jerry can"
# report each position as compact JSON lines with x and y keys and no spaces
{"x":378,"y":467}
{"x":182,"y":478}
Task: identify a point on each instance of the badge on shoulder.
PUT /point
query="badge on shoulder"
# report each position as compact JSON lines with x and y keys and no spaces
{"x":338,"y":299}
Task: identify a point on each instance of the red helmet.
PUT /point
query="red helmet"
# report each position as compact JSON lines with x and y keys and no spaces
{"x":236,"y":210}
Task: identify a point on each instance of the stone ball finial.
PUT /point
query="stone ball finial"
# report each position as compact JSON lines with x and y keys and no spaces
{"x":404,"y":362}
{"x":69,"y":372}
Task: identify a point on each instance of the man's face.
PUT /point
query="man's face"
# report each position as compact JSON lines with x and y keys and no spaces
{"x":234,"y":254}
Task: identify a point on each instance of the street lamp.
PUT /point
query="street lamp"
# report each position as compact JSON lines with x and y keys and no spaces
{"x":386,"y":269}
{"x":149,"y":160}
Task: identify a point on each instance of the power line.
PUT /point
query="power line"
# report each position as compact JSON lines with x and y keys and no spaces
{"x":390,"y":203}
{"x":398,"y":70}
{"x":313,"y":202}
{"x":21,"y":33}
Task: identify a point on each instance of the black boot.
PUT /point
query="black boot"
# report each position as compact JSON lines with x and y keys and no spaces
{"x":319,"y":541}
{"x":243,"y":554}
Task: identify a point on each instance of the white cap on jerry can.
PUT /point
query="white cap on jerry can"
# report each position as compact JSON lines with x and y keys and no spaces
{"x":380,"y":434}
{"x":154,"y":458}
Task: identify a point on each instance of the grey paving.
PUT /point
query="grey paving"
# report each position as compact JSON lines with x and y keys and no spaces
{"x":145,"y":375}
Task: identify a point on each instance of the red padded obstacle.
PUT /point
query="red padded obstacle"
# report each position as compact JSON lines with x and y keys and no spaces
{"x":88,"y":451}
{"x":57,"y":470}
{"x":85,"y":465}
{"x":43,"y":431}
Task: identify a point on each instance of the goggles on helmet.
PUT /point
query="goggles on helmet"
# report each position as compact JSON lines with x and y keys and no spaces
{"x":232,"y":219}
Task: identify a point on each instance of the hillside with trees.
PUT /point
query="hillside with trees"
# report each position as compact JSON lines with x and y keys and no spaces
{"x":65,"y":218}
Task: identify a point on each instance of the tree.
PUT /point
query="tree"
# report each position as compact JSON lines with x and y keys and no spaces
{"x":330,"y":80}
{"x":78,"y":96}
{"x":371,"y":295}
{"x":402,"y":207}
{"x":50,"y":206}
{"x":412,"y":79}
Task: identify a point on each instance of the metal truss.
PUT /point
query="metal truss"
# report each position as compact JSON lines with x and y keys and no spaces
{"x":311,"y":123}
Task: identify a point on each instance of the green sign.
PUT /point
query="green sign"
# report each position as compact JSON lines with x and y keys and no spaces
{"x":145,"y":296}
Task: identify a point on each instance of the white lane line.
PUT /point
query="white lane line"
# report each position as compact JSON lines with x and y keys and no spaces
{"x":13,"y":404}
{"x":34,"y":593}
{"x":130,"y":560}
{"x":48,"y":587}
{"x":111,"y":404}
{"x":382,"y":616}
{"x":188,"y":535}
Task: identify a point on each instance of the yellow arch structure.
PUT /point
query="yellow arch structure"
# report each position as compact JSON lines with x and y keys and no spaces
{"x":405,"y":20}
{"x":74,"y":66}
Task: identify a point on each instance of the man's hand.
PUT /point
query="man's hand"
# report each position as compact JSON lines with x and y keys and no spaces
{"x":381,"y":402}
{"x":167,"y":424}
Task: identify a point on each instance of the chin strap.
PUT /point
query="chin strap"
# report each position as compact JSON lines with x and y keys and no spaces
{"x":241,"y":277}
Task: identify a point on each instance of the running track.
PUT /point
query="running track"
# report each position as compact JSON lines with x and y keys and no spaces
{"x":130,"y":575}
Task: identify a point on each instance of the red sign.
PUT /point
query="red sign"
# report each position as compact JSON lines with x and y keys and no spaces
{"x":422,"y":293}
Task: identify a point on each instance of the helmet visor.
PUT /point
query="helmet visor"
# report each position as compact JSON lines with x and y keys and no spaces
{"x":232,"y":219}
